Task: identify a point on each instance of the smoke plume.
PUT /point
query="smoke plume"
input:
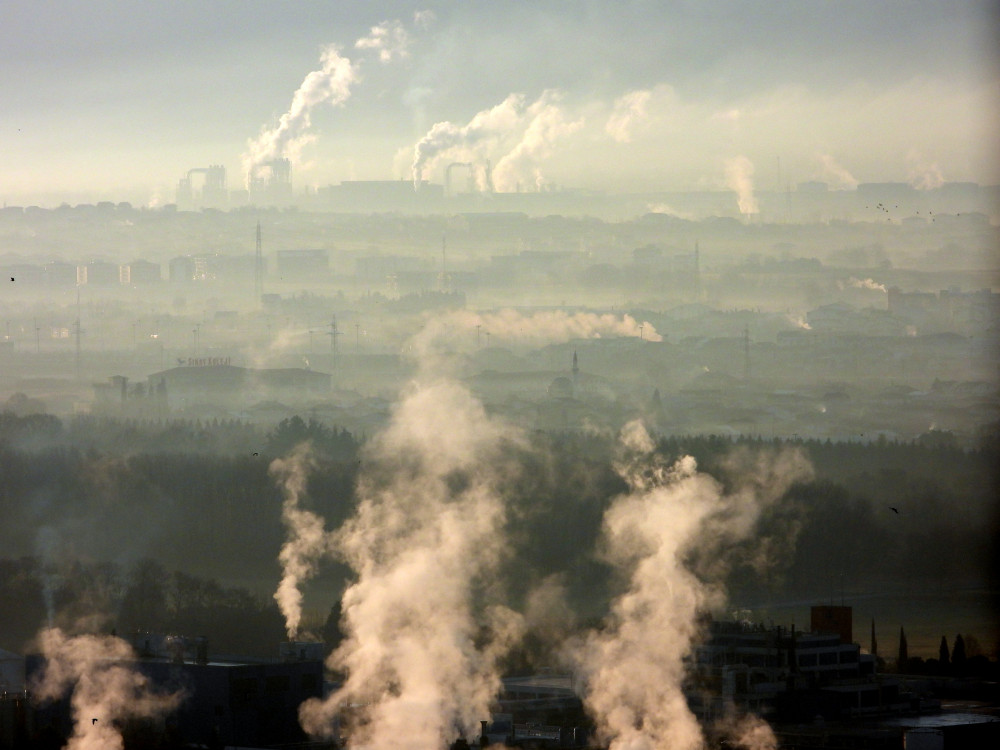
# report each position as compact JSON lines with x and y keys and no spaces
{"x":837,"y":174}
{"x":420,"y":655}
{"x":629,"y":111}
{"x":545,"y":124}
{"x":739,"y":178}
{"x":308,"y":541}
{"x":331,"y":83}
{"x":515,"y":136}
{"x":866,"y":284}
{"x":923,"y":173}
{"x":670,"y":534}
{"x":465,"y":142}
{"x":457,"y":330}
{"x":106,"y":690}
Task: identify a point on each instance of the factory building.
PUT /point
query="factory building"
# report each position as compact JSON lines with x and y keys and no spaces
{"x":211,"y":381}
{"x":203,"y":187}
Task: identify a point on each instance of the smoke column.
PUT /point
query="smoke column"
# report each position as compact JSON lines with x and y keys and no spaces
{"x":419,"y":654}
{"x":46,"y":544}
{"x":307,"y":542}
{"x":669,"y":534}
{"x":331,"y":83}
{"x":739,"y":178}
{"x":104,"y":687}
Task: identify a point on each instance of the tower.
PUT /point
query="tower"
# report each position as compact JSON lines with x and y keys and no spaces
{"x":258,"y":270}
{"x":576,"y":374}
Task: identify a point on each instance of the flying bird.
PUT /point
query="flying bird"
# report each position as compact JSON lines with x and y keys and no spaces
{"x":93,"y":721}
{"x":894,"y":510}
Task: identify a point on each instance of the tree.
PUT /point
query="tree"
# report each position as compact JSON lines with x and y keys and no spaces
{"x":943,"y":658}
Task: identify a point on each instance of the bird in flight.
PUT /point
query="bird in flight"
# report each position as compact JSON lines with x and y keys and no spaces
{"x":894,"y":510}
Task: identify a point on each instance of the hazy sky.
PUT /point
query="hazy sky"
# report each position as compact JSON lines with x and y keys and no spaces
{"x":116,"y":101}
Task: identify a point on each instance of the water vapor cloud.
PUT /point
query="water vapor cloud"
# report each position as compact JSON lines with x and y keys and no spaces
{"x":331,"y":83}
{"x":629,"y":112}
{"x":456,"y":330}
{"x":739,"y":179}
{"x":421,"y":642}
{"x":105,"y":688}
{"x":307,"y":540}
{"x":514,"y":135}
{"x":669,"y":534}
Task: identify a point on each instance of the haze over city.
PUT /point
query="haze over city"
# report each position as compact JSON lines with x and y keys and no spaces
{"x":620,"y":376}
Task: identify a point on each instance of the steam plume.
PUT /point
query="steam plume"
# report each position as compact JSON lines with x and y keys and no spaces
{"x":629,"y":111}
{"x":923,"y":174}
{"x":308,"y":541}
{"x":669,"y":534}
{"x":739,"y":178}
{"x":331,"y":83}
{"x":463,"y":141}
{"x":513,"y":327}
{"x":516,"y":136}
{"x":833,"y":171}
{"x":546,"y":124}
{"x":427,"y":536}
{"x":867,"y":284}
{"x":104,"y":687}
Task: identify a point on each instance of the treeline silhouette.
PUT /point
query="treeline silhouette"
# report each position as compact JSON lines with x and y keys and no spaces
{"x":142,"y":597}
{"x":197,"y":498}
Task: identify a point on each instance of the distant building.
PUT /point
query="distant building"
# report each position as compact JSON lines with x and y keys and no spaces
{"x":139,"y":272}
{"x":211,"y":381}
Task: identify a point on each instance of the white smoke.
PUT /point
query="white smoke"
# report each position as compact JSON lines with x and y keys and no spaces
{"x":420,"y":657}
{"x":739,"y":178}
{"x":456,"y":330}
{"x":106,"y":689}
{"x":515,"y":136}
{"x":836,"y":174}
{"x":389,"y":38}
{"x":545,"y":124}
{"x":923,"y":174}
{"x":629,"y":111}
{"x":866,"y":284}
{"x":47,"y":545}
{"x":331,"y":83}
{"x":308,"y":541}
{"x":669,"y":533}
{"x":798,"y":321}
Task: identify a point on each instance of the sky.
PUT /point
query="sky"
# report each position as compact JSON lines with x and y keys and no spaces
{"x":116,"y":101}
